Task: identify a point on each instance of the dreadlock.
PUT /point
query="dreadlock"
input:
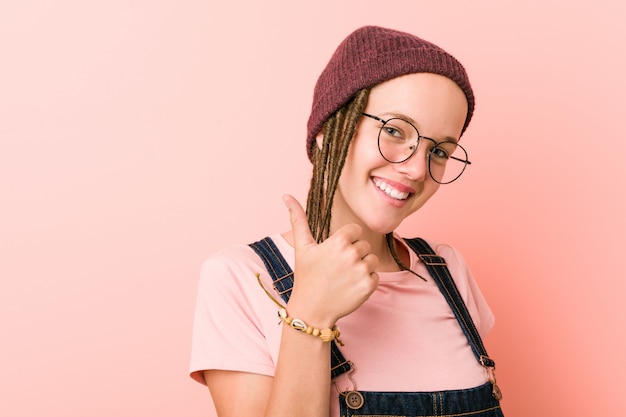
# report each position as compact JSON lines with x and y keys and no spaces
{"x":328,"y":161}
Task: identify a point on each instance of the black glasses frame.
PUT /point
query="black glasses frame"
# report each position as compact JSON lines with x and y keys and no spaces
{"x":466,"y":162}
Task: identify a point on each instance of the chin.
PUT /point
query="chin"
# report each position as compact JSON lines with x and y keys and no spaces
{"x":384,"y":229}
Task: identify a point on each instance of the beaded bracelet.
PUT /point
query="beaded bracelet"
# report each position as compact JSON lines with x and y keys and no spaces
{"x":327,"y":335}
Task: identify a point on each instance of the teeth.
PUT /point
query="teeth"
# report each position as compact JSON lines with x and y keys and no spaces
{"x":390,"y":191}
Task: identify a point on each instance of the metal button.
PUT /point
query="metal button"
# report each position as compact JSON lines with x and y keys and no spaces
{"x":354,"y":400}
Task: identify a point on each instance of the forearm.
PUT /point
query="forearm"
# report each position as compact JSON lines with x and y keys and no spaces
{"x":301,"y":386}
{"x":332,"y":279}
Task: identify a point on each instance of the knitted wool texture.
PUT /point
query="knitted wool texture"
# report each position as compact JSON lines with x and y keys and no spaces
{"x":371,"y":55}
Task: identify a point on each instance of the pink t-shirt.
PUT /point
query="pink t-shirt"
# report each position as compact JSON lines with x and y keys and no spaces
{"x":403,"y":338}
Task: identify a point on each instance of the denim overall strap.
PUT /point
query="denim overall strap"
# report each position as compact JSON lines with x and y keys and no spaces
{"x":438,"y":269}
{"x":282,"y":277}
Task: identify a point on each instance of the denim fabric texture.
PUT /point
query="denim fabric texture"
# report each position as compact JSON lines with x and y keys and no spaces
{"x":474,"y":402}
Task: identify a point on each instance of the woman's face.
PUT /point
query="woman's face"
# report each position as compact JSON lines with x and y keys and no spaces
{"x":377,"y":194}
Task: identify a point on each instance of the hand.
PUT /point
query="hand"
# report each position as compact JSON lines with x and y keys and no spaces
{"x":333,"y":278}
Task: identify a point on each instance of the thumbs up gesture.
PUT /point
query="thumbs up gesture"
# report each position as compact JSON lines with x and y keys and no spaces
{"x":333,"y":278}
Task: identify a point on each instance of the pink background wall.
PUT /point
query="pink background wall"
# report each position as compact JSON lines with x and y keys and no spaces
{"x":137,"y":137}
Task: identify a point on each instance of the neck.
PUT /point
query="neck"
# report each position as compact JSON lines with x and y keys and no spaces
{"x":379,"y":247}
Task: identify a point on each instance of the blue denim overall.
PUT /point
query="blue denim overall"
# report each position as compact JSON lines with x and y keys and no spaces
{"x":482,"y":401}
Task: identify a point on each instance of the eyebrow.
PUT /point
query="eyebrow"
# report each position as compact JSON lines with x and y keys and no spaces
{"x":414,"y":123}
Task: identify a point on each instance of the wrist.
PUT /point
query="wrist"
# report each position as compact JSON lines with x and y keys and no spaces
{"x":315,"y":313}
{"x":326,"y":335}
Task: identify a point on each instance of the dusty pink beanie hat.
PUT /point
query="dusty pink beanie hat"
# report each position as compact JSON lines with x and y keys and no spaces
{"x":371,"y":55}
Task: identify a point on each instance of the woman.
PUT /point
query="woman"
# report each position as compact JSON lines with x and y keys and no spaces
{"x":388,"y":112}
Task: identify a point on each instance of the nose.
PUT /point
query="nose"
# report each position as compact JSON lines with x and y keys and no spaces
{"x":416,"y":167}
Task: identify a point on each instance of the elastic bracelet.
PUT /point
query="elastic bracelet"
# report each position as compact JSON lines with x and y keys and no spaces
{"x":327,"y":335}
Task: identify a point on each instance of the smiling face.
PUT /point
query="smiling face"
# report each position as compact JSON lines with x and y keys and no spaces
{"x":375,"y":193}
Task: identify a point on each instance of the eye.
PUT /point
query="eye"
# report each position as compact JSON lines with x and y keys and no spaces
{"x":439,"y":153}
{"x":398,"y":130}
{"x":393,"y":132}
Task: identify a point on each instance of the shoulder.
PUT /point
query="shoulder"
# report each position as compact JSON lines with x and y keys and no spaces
{"x":227,"y":266}
{"x":228,"y":270}
{"x":235,"y":322}
{"x":466,"y":284}
{"x":243,"y":255}
{"x":234,"y":268}
{"x":454,"y":261}
{"x":451,"y":254}
{"x":453,"y":257}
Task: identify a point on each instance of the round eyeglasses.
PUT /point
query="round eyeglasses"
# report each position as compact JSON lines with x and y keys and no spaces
{"x":398,"y":140}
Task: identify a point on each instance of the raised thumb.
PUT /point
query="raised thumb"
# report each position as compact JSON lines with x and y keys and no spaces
{"x":299,"y":224}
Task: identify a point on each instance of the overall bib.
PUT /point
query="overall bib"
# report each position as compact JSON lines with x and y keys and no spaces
{"x":482,"y":401}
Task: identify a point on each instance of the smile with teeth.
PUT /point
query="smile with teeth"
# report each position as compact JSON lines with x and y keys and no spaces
{"x":389,"y":190}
